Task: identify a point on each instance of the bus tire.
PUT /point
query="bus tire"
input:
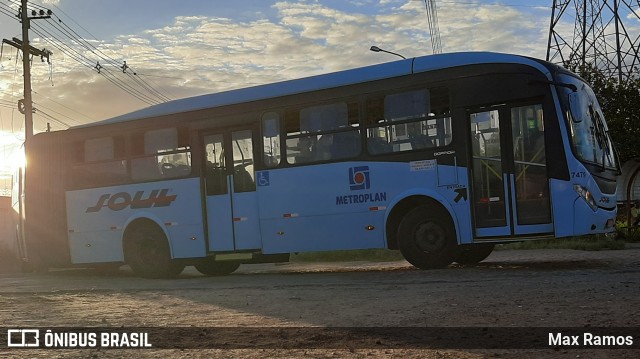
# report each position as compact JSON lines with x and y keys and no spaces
{"x":210,"y":267}
{"x":146,"y":251}
{"x":426,"y":238}
{"x":474,"y":253}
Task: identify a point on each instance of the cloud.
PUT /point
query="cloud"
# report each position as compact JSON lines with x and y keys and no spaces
{"x":493,"y":28}
{"x":194,"y":55}
{"x":199,"y":54}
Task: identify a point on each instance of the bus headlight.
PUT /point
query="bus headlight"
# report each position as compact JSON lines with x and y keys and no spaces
{"x":586,"y":195}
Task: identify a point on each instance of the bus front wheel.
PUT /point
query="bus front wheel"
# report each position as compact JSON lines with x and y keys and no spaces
{"x":426,"y":238}
{"x":212,"y":268}
{"x":146,"y":251}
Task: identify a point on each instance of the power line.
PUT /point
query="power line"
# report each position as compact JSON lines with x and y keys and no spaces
{"x":56,"y":120}
{"x":66,"y":107}
{"x":39,"y":106}
{"x":6,"y":12}
{"x":57,"y":34}
{"x":99,"y":53}
{"x":434,"y":29}
{"x":162,"y":76}
{"x":83,"y":60}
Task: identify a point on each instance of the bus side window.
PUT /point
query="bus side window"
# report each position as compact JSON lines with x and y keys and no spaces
{"x":408,"y":121}
{"x":216,"y":170}
{"x":243,"y":166}
{"x":271,"y":139}
{"x":346,"y":144}
{"x":161,"y":153}
{"x":323,"y":133}
{"x":100,"y":162}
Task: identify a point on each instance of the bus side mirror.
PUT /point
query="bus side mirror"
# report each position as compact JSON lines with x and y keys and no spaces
{"x":576,"y":106}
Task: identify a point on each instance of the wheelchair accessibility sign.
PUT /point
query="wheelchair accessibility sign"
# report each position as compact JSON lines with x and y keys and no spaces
{"x":263,"y":179}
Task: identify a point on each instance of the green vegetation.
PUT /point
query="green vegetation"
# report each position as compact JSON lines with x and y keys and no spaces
{"x":632,"y":235}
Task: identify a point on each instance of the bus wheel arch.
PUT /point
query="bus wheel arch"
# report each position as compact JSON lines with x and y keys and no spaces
{"x":402,"y":207}
{"x":424,"y":231}
{"x":147,"y":251}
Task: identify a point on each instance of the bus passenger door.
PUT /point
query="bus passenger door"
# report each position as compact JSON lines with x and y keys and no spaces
{"x":231,"y":198}
{"x":489,"y":177}
{"x":510,"y":194}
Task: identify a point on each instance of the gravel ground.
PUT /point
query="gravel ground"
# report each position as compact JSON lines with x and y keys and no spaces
{"x":273,"y":306}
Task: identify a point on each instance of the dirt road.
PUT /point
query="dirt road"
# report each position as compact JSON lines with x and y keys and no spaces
{"x":536,"y":288}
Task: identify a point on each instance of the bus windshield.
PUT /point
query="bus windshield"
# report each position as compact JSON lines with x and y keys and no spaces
{"x":589,"y":132}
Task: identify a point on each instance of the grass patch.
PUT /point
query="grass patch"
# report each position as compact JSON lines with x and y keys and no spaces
{"x":632,"y":236}
{"x":591,"y":243}
{"x":369,"y":255}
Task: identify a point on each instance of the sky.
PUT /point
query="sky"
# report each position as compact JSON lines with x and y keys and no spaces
{"x":184,"y":48}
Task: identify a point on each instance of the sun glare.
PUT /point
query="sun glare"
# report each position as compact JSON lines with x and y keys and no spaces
{"x":12,"y":154}
{"x":16,"y":159}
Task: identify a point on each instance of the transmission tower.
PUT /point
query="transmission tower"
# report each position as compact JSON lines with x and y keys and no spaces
{"x":605,"y":35}
{"x":434,"y":30}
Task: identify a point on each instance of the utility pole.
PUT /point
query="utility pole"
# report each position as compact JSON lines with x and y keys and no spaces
{"x":26,"y":105}
{"x":26,"y":65}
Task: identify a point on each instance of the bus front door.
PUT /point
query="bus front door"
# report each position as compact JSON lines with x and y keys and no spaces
{"x":510,"y":188}
{"x":231,"y":198}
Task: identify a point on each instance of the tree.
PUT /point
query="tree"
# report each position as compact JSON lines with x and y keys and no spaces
{"x":620,"y":104}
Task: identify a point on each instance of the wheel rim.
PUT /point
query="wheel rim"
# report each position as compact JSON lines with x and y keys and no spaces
{"x":430,"y":237}
{"x":148,"y":254}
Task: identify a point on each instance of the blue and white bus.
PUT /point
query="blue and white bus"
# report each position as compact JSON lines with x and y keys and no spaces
{"x":440,"y":157}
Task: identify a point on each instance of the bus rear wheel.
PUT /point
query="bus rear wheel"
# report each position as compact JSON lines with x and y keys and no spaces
{"x":146,"y":251}
{"x":474,"y":253}
{"x":426,"y":238}
{"x":212,"y":268}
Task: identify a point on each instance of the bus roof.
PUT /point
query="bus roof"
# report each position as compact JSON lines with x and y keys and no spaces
{"x":325,"y":81}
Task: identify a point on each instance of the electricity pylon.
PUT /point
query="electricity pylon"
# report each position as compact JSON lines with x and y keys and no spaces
{"x":604,"y":34}
{"x":434,"y":30}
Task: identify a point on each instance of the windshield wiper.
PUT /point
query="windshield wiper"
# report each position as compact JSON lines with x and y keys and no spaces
{"x":602,"y":136}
